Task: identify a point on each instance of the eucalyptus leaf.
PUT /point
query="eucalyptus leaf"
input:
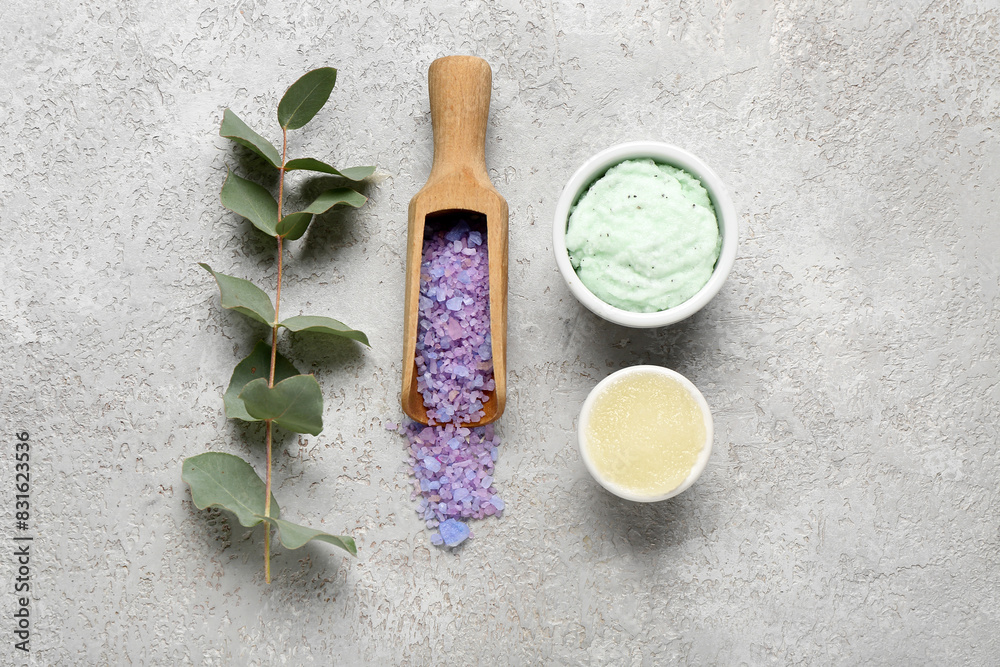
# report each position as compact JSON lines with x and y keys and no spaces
{"x":304,"y":98}
{"x":331,"y":198}
{"x":293,"y":536}
{"x":223,"y":480}
{"x":324,"y":325}
{"x":235,"y":129}
{"x":295,"y":403}
{"x":312,"y":164}
{"x":243,"y":296}
{"x":294,"y":225}
{"x":250,"y":200}
{"x":256,"y":365}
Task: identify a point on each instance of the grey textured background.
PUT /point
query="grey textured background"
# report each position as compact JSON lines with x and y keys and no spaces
{"x":849,"y":514}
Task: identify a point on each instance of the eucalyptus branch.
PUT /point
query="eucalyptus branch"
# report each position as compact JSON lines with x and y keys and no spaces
{"x":265,"y":386}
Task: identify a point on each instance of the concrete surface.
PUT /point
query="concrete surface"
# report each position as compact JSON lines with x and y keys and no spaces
{"x":849,"y":514}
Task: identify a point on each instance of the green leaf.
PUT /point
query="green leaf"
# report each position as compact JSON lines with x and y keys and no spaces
{"x":331,"y":198}
{"x":293,"y":536}
{"x":229,"y":482}
{"x":294,"y":225}
{"x":324,"y":325}
{"x":312,"y":164}
{"x":306,"y":97}
{"x":235,"y":129}
{"x":295,"y":403}
{"x":243,"y":297}
{"x":256,"y":365}
{"x":250,"y":200}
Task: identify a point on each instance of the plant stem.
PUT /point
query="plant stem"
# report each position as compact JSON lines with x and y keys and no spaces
{"x":274,"y":356}
{"x":277,"y":296}
{"x":267,"y":508}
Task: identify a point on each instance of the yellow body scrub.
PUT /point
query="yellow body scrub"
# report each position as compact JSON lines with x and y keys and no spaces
{"x":644,"y":432}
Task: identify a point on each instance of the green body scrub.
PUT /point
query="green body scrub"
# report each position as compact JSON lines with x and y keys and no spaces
{"x":644,"y":237}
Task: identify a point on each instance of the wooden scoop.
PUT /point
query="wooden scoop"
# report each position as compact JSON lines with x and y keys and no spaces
{"x":459,"y":88}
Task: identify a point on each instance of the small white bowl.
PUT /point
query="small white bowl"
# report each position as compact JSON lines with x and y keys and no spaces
{"x":584,"y":422}
{"x":663,"y":153}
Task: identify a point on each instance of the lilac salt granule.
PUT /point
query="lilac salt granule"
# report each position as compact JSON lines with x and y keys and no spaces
{"x":453,"y":465}
{"x":453,"y":532}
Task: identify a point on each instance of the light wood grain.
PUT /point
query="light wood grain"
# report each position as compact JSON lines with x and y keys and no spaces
{"x":459,"y":88}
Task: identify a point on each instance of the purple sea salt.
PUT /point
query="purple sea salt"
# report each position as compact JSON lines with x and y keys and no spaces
{"x":453,"y":465}
{"x":453,"y":532}
{"x":451,"y":343}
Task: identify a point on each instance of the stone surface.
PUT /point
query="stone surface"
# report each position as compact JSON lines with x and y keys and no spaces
{"x":850,"y":512}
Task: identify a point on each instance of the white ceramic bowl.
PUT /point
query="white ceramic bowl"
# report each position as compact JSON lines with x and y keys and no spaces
{"x":616,"y":489}
{"x":592,"y":170}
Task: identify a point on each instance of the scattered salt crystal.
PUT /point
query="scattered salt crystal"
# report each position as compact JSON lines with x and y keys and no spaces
{"x":453,"y":532}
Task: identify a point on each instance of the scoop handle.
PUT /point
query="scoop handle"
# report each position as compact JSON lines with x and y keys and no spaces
{"x":459,"y":88}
